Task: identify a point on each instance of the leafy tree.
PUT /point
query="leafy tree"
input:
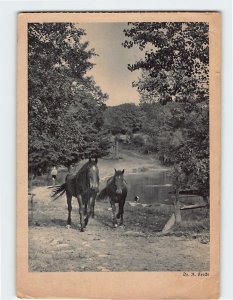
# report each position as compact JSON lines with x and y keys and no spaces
{"x":65,"y":106}
{"x":176,"y":59}
{"x":124,"y":118}
{"x":152,"y":121}
{"x":175,"y":73}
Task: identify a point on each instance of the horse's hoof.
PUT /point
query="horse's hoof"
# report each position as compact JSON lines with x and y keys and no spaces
{"x":68,"y":226}
{"x":115,"y":225}
{"x":82,"y":230}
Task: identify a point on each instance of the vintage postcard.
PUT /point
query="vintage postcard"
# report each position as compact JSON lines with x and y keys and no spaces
{"x":118,"y":155}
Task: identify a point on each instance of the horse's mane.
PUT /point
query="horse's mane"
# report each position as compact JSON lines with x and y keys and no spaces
{"x":83,"y":169}
{"x":109,"y":180}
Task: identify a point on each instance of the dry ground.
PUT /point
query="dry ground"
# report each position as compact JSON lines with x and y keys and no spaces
{"x":139,"y":246}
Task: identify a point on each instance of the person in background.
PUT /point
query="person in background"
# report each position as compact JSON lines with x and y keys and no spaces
{"x":54,"y":175}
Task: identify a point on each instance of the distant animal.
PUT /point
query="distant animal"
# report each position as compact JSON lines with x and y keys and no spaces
{"x":116,"y":191}
{"x":84,"y":185}
{"x":136,"y":198}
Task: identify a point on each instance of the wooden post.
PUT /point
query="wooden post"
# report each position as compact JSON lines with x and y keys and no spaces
{"x":31,"y":204}
{"x":177,"y":207}
{"x":30,"y":179}
{"x":176,"y":216}
{"x":170,"y":223}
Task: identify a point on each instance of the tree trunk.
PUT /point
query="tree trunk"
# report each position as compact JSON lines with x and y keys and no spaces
{"x":30,"y":178}
{"x":116,"y":148}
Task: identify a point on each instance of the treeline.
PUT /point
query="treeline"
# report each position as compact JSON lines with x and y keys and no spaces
{"x":125,"y":118}
{"x":174,"y":95}
{"x":65,"y":106}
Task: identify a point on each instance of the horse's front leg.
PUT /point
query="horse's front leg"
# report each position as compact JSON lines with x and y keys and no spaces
{"x":87,"y":209}
{"x":81,"y":212}
{"x":69,"y":200}
{"x":121,"y":211}
{"x":92,"y":204}
{"x":114,"y":220}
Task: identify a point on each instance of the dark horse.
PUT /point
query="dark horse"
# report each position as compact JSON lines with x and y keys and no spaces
{"x":84,"y":185}
{"x":116,"y":191}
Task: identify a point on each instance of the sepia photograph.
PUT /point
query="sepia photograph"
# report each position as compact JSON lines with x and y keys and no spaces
{"x":116,"y":144}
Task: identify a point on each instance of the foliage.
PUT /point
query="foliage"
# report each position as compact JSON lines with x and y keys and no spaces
{"x":151,"y":122}
{"x":65,"y":106}
{"x":176,"y":59}
{"x":174,"y":93}
{"x":138,"y":140}
{"x":124,"y":118}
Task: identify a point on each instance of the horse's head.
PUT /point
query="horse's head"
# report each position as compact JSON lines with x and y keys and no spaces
{"x":119,"y":181}
{"x":93,"y":175}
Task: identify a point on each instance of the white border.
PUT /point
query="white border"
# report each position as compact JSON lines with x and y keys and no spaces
{"x":8,"y":14}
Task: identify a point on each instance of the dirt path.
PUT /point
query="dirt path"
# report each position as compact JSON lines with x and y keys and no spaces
{"x":136,"y":247}
{"x":139,"y":246}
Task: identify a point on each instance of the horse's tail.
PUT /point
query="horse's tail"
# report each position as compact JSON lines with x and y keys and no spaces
{"x":103,"y":194}
{"x":59,"y":191}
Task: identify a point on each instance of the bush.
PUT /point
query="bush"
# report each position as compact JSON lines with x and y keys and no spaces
{"x":139,"y":140}
{"x":150,"y":148}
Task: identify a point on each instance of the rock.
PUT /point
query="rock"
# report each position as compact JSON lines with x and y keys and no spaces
{"x":134,"y":233}
{"x":146,"y":205}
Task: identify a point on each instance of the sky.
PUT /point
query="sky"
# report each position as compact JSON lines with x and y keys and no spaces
{"x":111,"y":72}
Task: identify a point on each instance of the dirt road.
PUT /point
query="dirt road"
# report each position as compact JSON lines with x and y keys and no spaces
{"x":136,"y":247}
{"x":139,"y":246}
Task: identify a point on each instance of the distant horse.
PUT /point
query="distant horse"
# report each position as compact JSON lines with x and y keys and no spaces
{"x":84,"y":185}
{"x":116,"y":191}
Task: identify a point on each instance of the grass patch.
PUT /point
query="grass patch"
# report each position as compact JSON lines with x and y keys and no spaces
{"x":195,"y":223}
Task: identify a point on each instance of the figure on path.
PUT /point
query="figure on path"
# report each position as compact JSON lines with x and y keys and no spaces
{"x":54,"y":175}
